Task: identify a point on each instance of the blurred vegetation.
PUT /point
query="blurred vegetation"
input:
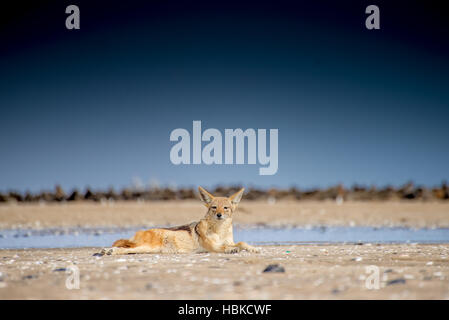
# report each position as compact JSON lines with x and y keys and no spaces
{"x":356,"y":193}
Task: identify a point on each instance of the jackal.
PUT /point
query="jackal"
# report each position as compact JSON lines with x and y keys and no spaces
{"x":213,"y":233}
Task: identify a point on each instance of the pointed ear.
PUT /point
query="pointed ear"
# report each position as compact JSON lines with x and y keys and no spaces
{"x":205,"y":196}
{"x":236,"y":197}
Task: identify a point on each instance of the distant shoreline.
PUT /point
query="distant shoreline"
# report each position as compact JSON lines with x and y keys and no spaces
{"x":338,"y":193}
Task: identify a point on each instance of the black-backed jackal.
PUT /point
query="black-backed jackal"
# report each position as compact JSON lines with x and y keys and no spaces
{"x":213,"y":233}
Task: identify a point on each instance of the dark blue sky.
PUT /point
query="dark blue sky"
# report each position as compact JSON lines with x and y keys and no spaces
{"x":95,"y":107}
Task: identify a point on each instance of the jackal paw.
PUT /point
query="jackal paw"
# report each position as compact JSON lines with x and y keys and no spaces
{"x":232,"y":250}
{"x":106,"y":251}
{"x":253,"y":250}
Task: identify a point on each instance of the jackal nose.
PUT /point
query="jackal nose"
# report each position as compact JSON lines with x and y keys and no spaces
{"x":219,"y":215}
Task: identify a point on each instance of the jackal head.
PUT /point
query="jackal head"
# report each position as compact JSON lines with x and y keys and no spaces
{"x":220,"y":208}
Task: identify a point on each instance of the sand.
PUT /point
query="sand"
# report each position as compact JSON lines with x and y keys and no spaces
{"x":416,"y":214}
{"x":327,"y":271}
{"x":311,"y":272}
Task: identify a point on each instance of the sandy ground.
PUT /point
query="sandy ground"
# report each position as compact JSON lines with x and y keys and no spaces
{"x":298,"y":213}
{"x":328,"y":271}
{"x":311,"y":272}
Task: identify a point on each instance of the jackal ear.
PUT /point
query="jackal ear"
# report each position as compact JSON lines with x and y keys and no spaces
{"x":236,"y":197}
{"x":205,"y":196}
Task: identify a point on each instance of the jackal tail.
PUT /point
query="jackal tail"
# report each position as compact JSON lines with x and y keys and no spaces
{"x":123,"y":243}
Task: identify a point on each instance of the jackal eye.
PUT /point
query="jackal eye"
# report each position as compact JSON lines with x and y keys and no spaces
{"x":214,"y":207}
{"x":226,"y":208}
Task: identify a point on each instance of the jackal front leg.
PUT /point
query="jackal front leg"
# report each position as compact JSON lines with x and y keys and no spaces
{"x":247,"y":247}
{"x":232,"y":248}
{"x":215,"y":246}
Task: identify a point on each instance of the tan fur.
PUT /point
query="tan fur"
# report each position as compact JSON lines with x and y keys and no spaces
{"x":123,"y":243}
{"x":213,"y":233}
